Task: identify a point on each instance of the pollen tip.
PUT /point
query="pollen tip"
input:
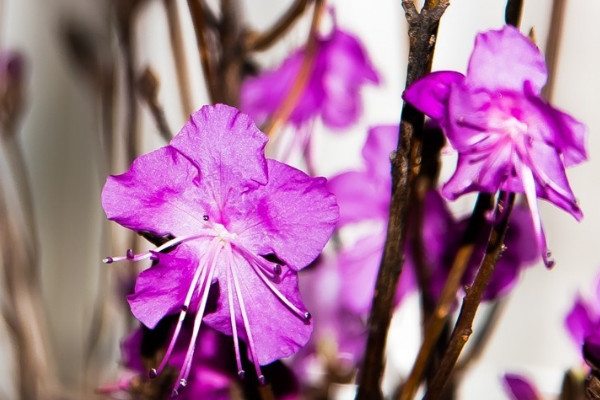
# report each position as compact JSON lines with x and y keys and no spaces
{"x":242,"y":374}
{"x":307,"y":316}
{"x":205,"y":217}
{"x":277,"y":269}
{"x":262,"y":380}
{"x":107,"y":260}
{"x":183,"y":382}
{"x":548,"y":260}
{"x":152,"y":373}
{"x":184,"y":308}
{"x":130,"y":254}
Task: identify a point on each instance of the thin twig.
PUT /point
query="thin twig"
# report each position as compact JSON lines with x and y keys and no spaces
{"x":553,"y":45}
{"x":147,"y":85}
{"x":310,"y":51}
{"x":435,"y":325}
{"x":198,"y":19}
{"x":261,"y":41}
{"x":181,"y":70}
{"x":474,"y":294}
{"x":422,"y":31}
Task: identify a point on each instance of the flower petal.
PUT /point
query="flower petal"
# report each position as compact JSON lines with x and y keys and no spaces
{"x":292,"y":216}
{"x":580,"y":321}
{"x":276,"y":330}
{"x":430,"y":94}
{"x":506,"y":59}
{"x":159,"y":193}
{"x":227,"y":148}
{"x":520,"y":387}
{"x":161,"y":289}
{"x":381,"y":141}
{"x":360,"y":196}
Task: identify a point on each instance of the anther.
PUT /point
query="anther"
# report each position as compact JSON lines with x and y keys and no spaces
{"x":242,"y":374}
{"x":174,"y":393}
{"x":107,"y":260}
{"x":183,"y":382}
{"x":307,"y":316}
{"x":205,"y":217}
{"x":152,"y":373}
{"x":130,"y":254}
{"x":184,"y":308}
{"x":262,"y":380}
{"x":154,"y":255}
{"x":277,"y":269}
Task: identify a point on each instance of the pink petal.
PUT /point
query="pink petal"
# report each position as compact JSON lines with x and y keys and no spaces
{"x":430,"y":94}
{"x":506,"y":59}
{"x":520,"y":388}
{"x":580,"y":321}
{"x":292,"y":216}
{"x":227,"y":148}
{"x":159,"y":193}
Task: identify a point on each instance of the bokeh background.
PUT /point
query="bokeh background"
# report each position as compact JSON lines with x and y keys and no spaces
{"x":59,"y":137}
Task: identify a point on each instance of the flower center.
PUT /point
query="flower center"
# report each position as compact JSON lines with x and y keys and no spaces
{"x":223,"y":234}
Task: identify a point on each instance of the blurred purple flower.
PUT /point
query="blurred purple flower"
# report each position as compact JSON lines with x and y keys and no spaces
{"x":339,"y":70}
{"x":365,"y":196}
{"x":507,"y":137}
{"x":520,"y":388}
{"x":583,"y":324}
{"x":239,"y":222}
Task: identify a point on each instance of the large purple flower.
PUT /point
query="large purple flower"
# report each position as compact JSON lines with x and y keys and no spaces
{"x":339,"y":70}
{"x":507,"y":137}
{"x":242,"y":225}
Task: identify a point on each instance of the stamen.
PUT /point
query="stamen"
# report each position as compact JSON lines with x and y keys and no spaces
{"x":236,"y":344}
{"x":187,"y":362}
{"x":108,"y":260}
{"x":152,"y":374}
{"x":262,"y":380}
{"x":199,"y":276}
{"x":130,"y":254}
{"x":277,"y":269}
{"x":240,"y":298}
{"x":263,"y":263}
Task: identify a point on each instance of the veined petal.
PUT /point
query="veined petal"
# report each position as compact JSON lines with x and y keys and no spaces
{"x":161,"y":289}
{"x":506,"y":59}
{"x":159,"y":193}
{"x":430,"y":94}
{"x":227,"y":148}
{"x":276,"y":330}
{"x":360,"y":196}
{"x":292,"y":216}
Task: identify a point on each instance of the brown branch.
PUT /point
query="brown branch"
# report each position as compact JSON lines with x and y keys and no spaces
{"x":474,"y":294}
{"x":147,"y":85}
{"x":553,"y":45}
{"x":422,"y":31}
{"x":181,"y":69}
{"x":198,"y":15}
{"x":261,"y":41}
{"x":438,"y":319}
{"x":287,"y":106}
{"x":513,"y":11}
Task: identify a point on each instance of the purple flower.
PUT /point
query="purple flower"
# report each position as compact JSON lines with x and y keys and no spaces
{"x":339,"y":69}
{"x":364,"y":195}
{"x":507,"y":137}
{"x":583,"y":325}
{"x":520,"y":388}
{"x":242,"y":225}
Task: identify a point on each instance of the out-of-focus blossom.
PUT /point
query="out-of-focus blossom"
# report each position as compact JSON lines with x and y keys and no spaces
{"x":340,"y":68}
{"x":520,"y":388}
{"x":521,"y":251}
{"x":238,"y":223}
{"x":507,"y":137}
{"x":365,"y":196}
{"x":583,"y":324}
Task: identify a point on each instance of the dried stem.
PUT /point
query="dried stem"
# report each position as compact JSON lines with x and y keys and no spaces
{"x":196,"y":8}
{"x":287,"y":106}
{"x":181,"y":69}
{"x":147,"y":85}
{"x":513,"y":11}
{"x":553,"y":45}
{"x":474,"y":294}
{"x":435,"y":325}
{"x":262,"y":41}
{"x":422,"y":31}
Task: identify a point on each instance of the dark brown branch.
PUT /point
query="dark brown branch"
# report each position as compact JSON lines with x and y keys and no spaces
{"x":181,"y":69}
{"x":435,"y":325}
{"x":513,"y":11}
{"x":198,"y":14}
{"x":262,"y":41}
{"x":147,"y":85}
{"x":474,"y":294}
{"x":287,"y":106}
{"x":422,"y":31}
